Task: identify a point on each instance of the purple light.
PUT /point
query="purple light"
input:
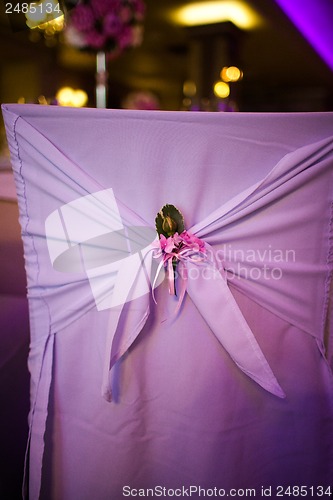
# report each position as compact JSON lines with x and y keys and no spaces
{"x":314,"y":19}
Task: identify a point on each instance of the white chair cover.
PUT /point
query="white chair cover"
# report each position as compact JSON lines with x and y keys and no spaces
{"x":234,"y":390}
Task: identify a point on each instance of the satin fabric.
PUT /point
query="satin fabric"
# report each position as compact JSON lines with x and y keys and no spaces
{"x":258,"y":189}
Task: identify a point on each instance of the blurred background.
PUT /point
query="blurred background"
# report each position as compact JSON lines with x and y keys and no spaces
{"x":282,"y":51}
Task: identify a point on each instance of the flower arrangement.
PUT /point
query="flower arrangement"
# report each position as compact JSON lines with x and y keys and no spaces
{"x":110,"y":26}
{"x":175,"y":243}
{"x":141,"y":99}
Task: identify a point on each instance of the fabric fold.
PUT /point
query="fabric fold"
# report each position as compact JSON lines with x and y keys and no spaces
{"x":281,"y":207}
{"x":267,"y":255}
{"x":236,"y":224}
{"x":109,"y":282}
{"x":130,"y":299}
{"x":211,"y":295}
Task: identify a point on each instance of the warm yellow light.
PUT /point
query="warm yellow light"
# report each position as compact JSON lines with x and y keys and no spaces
{"x":231,"y":74}
{"x":221,"y":89}
{"x":79,"y":98}
{"x":189,"y":88}
{"x":217,"y":11}
{"x":42,"y":100}
{"x":66,"y":96}
{"x":45,"y":13}
{"x":34,"y":19}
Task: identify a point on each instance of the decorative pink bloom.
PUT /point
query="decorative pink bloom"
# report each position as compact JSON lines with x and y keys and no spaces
{"x":193,"y":242}
{"x":125,"y":37}
{"x":102,"y":7}
{"x":176,"y":248}
{"x":179,"y":246}
{"x":96,"y":40}
{"x":139,"y":7}
{"x":170,"y":245}
{"x":125,"y":14}
{"x":163,"y":241}
{"x":166,"y":244}
{"x":141,"y":100}
{"x":109,"y":25}
{"x":177,"y":239}
{"x":83,"y":18}
{"x":183,"y":247}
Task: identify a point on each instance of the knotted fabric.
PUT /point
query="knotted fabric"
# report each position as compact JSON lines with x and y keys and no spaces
{"x":86,"y":213}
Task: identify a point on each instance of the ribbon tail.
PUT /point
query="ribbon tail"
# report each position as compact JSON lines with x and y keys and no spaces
{"x":171,"y":278}
{"x":155,"y":281}
{"x":183,"y":281}
{"x":132,"y":289}
{"x":216,"y":304}
{"x":108,"y":362}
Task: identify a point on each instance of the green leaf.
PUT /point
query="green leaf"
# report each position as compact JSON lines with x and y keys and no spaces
{"x":169,"y":221}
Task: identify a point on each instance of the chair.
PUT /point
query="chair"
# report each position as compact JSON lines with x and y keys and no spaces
{"x":227,"y":384}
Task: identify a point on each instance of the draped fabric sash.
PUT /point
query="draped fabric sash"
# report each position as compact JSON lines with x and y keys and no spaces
{"x":128,"y":281}
{"x":86,"y":248}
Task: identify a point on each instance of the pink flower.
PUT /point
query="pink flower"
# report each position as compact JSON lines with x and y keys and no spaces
{"x":178,"y":243}
{"x":83,"y":18}
{"x":193,"y":242}
{"x":139,"y":7}
{"x":103,"y":7}
{"x":95,"y":40}
{"x":125,"y":37}
{"x":177,"y":239}
{"x":111,"y":25}
{"x":125,"y":14}
{"x":167,"y":244}
{"x":141,"y":100}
